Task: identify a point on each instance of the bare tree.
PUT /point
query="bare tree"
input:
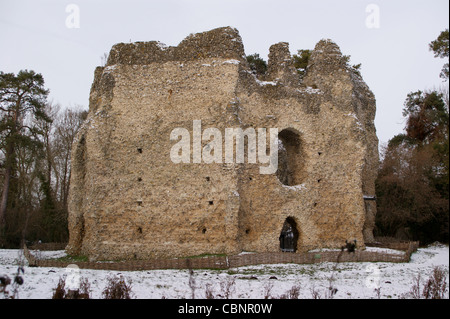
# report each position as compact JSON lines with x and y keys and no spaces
{"x":68,"y":123}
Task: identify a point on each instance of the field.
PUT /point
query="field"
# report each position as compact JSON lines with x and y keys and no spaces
{"x":346,"y":280}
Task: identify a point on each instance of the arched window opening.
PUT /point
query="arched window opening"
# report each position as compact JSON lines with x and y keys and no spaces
{"x":290,"y":158}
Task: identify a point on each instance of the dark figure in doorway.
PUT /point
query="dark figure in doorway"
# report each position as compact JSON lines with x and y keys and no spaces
{"x":350,"y":246}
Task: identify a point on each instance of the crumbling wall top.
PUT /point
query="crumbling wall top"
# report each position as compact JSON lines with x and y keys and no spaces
{"x":281,"y":65}
{"x":221,"y":43}
{"x":327,"y":57}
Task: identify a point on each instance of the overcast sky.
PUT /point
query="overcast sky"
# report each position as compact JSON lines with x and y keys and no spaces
{"x":65,"y":40}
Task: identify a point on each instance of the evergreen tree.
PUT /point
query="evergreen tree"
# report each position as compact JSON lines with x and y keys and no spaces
{"x":257,"y":64}
{"x":440,"y":47}
{"x":301,"y":60}
{"x":412,"y":185}
{"x":22,"y":99}
{"x":413,"y":181}
{"x":427,"y":116}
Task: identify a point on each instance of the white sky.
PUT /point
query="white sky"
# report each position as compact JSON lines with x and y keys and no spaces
{"x":395,"y":57}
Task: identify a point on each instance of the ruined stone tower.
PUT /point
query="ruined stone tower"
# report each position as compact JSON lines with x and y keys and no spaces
{"x":128,"y":199}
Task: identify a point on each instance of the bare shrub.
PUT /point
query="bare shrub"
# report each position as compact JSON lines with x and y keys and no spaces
{"x":84,"y":289}
{"x":378,"y":292}
{"x":329,"y":293}
{"x":314,"y":293}
{"x":434,"y":288}
{"x":60,"y":292}
{"x":268,"y":290}
{"x":293,"y":293}
{"x":4,"y":282}
{"x":209,"y":292}
{"x":192,"y":283}
{"x":227,"y":287}
{"x":117,"y":288}
{"x":15,"y":284}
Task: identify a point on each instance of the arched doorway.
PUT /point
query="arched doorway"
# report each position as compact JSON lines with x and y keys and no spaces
{"x":289,"y":236}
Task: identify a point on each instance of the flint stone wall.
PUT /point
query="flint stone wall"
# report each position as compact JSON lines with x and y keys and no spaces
{"x":128,"y":200}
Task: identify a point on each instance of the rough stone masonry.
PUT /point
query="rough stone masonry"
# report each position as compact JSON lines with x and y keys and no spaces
{"x":129,"y":200}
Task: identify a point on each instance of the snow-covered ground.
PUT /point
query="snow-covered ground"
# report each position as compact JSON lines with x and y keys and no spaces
{"x":352,"y":280}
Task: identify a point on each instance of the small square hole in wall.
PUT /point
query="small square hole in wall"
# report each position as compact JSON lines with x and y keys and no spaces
{"x":247,"y":231}
{"x":139,"y":179}
{"x":203,"y":230}
{"x":211,"y":202}
{"x":207,"y":178}
{"x":139,"y":150}
{"x":139,"y":202}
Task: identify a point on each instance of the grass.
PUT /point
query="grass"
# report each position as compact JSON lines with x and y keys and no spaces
{"x":268,"y":270}
{"x":71,"y":258}
{"x":205,"y":256}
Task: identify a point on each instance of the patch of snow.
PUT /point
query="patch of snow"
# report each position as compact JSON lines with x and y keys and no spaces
{"x":232,"y":61}
{"x":162,"y":46}
{"x":310,"y":90}
{"x":110,"y":68}
{"x":356,"y":280}
{"x":263,"y":83}
{"x":295,"y":187}
{"x":49,"y":254}
{"x":385,"y":250}
{"x":246,"y":253}
{"x":235,"y":101}
{"x":281,"y":146}
{"x":358,"y":123}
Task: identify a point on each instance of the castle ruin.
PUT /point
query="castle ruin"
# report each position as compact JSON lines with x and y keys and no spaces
{"x":129,"y":200}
